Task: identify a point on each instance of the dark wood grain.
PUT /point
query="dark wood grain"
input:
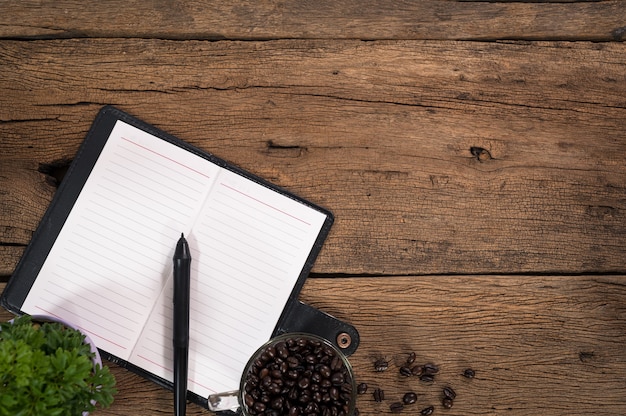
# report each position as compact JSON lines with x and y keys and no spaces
{"x":473,"y":153}
{"x":436,"y":157}
{"x":263,"y":20}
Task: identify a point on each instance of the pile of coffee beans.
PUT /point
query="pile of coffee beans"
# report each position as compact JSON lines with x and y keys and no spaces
{"x":298,"y":376}
{"x":425,"y":372}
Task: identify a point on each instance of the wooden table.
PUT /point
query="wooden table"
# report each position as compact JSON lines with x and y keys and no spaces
{"x":474,"y":154}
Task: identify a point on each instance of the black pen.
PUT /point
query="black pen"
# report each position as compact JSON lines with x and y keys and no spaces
{"x":182,"y":269}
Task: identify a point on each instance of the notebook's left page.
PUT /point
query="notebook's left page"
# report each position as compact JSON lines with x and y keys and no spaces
{"x":114,"y":252}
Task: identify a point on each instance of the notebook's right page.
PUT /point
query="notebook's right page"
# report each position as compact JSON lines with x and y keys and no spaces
{"x":248,"y":246}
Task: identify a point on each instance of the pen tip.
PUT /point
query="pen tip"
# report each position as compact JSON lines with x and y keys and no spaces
{"x":182,"y":235}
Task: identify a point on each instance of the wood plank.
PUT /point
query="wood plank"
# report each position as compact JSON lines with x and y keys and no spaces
{"x":24,"y":196}
{"x":388,"y":135}
{"x":539,"y":344}
{"x":9,"y":257}
{"x":271,"y":19}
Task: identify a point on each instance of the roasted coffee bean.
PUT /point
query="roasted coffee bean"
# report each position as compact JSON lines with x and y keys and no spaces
{"x":447,"y":402}
{"x":292,"y":361}
{"x":271,"y":352}
{"x":317,"y":396}
{"x":405,"y":371}
{"x":417,"y":370}
{"x":316,"y":378}
{"x":469,"y":373}
{"x":324,"y":371}
{"x":427,"y":411}
{"x":396,"y":407}
{"x":431,"y":369}
{"x":304,"y":383}
{"x":379,"y":395}
{"x":411,"y":358}
{"x":265,"y":381}
{"x":281,"y":350}
{"x":273,"y":389}
{"x":335,"y":363}
{"x":277,"y":403}
{"x":409,"y":398}
{"x":311,"y":408}
{"x":337,"y":379}
{"x":305,"y":397}
{"x":361,"y":388}
{"x":428,"y":378}
{"x":381,"y":365}
{"x":449,"y":393}
{"x":293,"y":394}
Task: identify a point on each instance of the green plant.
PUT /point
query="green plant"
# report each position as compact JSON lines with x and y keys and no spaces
{"x":47,"y":369}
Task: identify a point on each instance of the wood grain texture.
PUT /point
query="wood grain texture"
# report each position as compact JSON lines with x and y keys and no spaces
{"x":473,"y":153}
{"x":436,"y":157}
{"x":539,"y":345}
{"x":322,"y":19}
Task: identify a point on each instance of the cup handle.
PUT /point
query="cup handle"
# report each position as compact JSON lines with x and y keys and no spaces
{"x":220,"y":402}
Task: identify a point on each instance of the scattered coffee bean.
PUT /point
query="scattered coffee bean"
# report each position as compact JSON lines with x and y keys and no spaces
{"x":426,"y":373}
{"x":431,"y":369}
{"x":381,"y":365}
{"x":396,"y":407}
{"x":427,"y":378}
{"x":417,"y":370}
{"x":379,"y":395}
{"x":469,"y":373}
{"x":409,"y":398}
{"x":449,"y":393}
{"x":427,"y":411}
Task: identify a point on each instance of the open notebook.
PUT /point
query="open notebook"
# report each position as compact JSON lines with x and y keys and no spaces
{"x":102,"y":257}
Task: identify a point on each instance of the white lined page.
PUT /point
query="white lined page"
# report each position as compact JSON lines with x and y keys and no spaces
{"x":109,"y":271}
{"x":248,"y":247}
{"x":113,"y":255}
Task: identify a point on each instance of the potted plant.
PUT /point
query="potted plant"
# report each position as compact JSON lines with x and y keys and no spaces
{"x":48,"y":368}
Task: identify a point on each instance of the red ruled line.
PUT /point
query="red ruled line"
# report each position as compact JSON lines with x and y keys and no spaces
{"x":264,"y":203}
{"x":165,"y":157}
